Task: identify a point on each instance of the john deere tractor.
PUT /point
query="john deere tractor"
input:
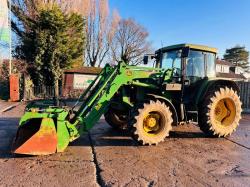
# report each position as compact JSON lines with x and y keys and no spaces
{"x":147,"y":101}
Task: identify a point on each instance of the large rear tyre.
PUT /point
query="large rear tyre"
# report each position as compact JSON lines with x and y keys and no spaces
{"x":220,"y":113}
{"x":116,"y":119}
{"x":151,"y":122}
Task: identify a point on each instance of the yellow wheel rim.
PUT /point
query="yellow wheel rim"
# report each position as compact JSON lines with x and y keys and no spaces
{"x":152,"y":123}
{"x":225,"y":112}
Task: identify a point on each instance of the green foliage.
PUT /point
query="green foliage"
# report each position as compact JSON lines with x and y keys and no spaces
{"x":51,"y":42}
{"x":237,"y":55}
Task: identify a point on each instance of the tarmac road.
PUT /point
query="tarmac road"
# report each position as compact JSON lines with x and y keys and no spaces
{"x":105,"y":157}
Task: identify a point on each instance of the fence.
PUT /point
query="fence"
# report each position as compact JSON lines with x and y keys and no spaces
{"x":48,"y":92}
{"x":245,"y":95}
{"x":41,"y":92}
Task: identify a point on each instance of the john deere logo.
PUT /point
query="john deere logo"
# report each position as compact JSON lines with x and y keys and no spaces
{"x":97,"y":107}
{"x":128,"y":73}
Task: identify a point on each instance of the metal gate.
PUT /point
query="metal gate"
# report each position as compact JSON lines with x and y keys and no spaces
{"x":41,"y":92}
{"x":245,"y":95}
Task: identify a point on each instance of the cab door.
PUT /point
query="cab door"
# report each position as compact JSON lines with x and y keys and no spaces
{"x":173,"y":61}
{"x":195,"y":74}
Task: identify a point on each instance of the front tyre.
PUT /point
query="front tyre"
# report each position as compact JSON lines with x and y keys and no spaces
{"x":220,"y":113}
{"x":151,"y":122}
{"x":116,"y":119}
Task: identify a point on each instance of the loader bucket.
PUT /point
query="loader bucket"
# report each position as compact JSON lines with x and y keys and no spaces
{"x":37,"y":136}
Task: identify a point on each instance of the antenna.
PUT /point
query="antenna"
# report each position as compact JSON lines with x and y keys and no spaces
{"x":162,"y":44}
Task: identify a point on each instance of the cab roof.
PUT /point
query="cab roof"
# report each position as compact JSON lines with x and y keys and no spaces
{"x":191,"y":46}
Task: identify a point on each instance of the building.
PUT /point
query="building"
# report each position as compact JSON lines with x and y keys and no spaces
{"x":76,"y":80}
{"x":225,"y":69}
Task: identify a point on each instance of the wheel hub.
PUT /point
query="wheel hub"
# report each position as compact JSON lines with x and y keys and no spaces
{"x":152,"y":124}
{"x":225,"y":112}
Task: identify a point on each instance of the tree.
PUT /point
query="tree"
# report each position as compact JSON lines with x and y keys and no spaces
{"x":130,"y":42}
{"x":31,"y":7}
{"x":238,"y":56}
{"x":50,"y":41}
{"x":100,"y":31}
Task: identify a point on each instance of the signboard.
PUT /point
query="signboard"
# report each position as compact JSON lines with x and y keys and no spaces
{"x":82,"y":81}
{"x":4,"y":22}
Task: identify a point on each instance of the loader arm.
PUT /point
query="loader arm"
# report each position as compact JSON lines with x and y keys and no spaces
{"x":104,"y":87}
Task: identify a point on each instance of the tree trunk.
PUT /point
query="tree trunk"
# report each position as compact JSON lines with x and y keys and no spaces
{"x":56,"y":92}
{"x":56,"y":87}
{"x":28,"y":88}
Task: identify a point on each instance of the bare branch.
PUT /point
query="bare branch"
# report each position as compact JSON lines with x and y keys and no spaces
{"x":100,"y":31}
{"x":130,"y":42}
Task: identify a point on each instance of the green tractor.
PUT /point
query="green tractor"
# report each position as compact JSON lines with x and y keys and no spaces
{"x":181,"y":87}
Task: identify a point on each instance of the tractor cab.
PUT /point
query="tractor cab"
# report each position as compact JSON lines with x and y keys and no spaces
{"x":191,"y":66}
{"x":192,"y":62}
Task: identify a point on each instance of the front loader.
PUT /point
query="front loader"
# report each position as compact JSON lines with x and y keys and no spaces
{"x":182,"y":87}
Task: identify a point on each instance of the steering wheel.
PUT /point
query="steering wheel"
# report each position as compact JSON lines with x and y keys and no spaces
{"x":176,"y":72}
{"x":164,"y":75}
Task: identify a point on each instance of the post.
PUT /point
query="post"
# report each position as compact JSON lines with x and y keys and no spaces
{"x":10,"y":42}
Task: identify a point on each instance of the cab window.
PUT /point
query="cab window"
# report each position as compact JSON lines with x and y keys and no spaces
{"x":211,"y":65}
{"x":172,"y":60}
{"x":195,"y":67}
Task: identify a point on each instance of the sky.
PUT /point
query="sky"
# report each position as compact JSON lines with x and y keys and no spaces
{"x":216,"y":23}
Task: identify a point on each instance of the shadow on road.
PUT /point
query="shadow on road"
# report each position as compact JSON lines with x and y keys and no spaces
{"x":8,"y":127}
{"x":179,"y":134}
{"x":111,"y":137}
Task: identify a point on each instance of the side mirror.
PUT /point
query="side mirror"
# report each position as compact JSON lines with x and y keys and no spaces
{"x":187,"y":82}
{"x":185,"y":52}
{"x":145,"y":60}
